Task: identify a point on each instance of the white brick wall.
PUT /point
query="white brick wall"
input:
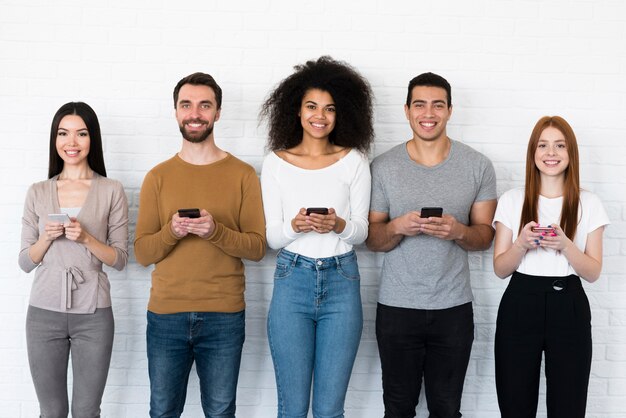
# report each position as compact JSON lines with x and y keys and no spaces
{"x":509,"y":63}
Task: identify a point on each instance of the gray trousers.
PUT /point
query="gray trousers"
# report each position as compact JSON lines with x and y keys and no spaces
{"x":50,"y":337}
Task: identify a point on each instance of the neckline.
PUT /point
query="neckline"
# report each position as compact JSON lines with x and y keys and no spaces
{"x":313,"y":169}
{"x":55,"y":193}
{"x":188,"y":164}
{"x":405,"y":150}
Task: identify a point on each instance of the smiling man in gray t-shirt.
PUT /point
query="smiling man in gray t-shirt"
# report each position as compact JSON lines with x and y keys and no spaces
{"x":424,"y":322}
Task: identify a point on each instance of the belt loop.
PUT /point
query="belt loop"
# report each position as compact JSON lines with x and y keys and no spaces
{"x":295,"y":259}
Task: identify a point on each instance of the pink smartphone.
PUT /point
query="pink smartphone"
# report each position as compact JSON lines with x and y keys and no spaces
{"x":543,"y":229}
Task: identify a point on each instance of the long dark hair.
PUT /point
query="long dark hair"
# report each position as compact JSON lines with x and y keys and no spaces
{"x":571,"y":186}
{"x":350,"y":91}
{"x":95,"y":159}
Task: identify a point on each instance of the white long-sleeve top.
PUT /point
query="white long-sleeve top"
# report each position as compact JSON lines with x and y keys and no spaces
{"x":344,"y":186}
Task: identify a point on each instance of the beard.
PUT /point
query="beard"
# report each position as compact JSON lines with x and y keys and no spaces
{"x":198,"y":136}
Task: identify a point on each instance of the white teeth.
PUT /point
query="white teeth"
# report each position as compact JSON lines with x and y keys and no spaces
{"x":71,"y":153}
{"x":428,"y":124}
{"x":317,"y":125}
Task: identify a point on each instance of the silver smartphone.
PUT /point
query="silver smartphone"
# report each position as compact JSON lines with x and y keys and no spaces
{"x":62,"y":218}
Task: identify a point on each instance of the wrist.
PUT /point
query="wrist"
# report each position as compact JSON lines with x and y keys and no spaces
{"x":519,"y":246}
{"x":393,"y":229}
{"x":566,"y":247}
{"x":340,"y":226}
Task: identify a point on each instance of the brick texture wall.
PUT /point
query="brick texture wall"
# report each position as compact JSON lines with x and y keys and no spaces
{"x":509,"y":63}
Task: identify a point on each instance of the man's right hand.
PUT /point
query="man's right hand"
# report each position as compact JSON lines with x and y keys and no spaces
{"x":178,"y":226}
{"x":385,"y":234}
{"x":409,"y":224}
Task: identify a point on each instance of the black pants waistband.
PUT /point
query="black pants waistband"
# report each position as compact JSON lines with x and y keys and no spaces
{"x":528,"y":283}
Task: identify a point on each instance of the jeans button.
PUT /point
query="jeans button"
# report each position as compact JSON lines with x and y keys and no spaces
{"x":319,"y":262}
{"x":558,"y":285}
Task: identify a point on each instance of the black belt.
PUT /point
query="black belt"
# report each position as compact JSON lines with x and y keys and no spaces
{"x":529,"y":283}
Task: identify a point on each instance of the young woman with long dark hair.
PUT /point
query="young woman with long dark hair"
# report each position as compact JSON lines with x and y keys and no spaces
{"x":70,"y":301}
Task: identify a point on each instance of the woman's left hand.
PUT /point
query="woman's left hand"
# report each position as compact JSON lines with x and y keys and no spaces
{"x":323,"y":224}
{"x":75,"y":232}
{"x":558,"y":241}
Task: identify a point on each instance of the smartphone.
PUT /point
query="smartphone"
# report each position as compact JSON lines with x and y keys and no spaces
{"x":543,"y":229}
{"x":321,"y":211}
{"x":427,"y":212}
{"x":62,"y":218}
{"x":189,"y":213}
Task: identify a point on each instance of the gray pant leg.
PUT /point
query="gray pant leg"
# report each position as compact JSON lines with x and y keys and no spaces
{"x":50,"y":336}
{"x":92,"y":343}
{"x":48,"y":346}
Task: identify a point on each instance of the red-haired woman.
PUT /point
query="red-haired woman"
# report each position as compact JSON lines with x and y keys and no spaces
{"x":548,"y":236}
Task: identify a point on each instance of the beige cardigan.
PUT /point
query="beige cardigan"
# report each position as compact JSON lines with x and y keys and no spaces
{"x":69,"y":278}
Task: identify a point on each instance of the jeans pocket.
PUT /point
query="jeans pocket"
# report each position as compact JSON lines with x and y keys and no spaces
{"x":283,"y":270}
{"x":348,"y":268}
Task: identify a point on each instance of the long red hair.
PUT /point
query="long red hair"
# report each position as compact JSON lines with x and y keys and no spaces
{"x":571,"y":184}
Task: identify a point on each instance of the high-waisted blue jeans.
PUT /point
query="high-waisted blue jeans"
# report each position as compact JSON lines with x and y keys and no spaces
{"x":314,"y":327}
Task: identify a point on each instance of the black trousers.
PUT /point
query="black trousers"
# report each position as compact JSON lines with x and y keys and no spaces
{"x":548,"y":315}
{"x":433,"y":344}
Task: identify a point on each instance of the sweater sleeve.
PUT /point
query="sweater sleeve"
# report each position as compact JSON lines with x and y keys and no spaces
{"x":30,"y":231}
{"x":355,"y":231}
{"x":117,"y":231}
{"x":249,"y":241}
{"x":153,"y":242}
{"x":279,"y":230}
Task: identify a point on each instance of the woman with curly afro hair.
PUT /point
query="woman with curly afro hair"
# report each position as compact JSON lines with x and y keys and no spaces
{"x":316,"y":192}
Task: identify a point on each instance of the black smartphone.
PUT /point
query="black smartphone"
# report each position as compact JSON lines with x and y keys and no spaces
{"x":431,"y":211}
{"x":189,"y":213}
{"x":321,"y":211}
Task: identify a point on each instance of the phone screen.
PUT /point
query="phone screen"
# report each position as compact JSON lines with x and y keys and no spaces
{"x":62,"y":218}
{"x":189,"y":213}
{"x":427,"y":212}
{"x":321,"y":211}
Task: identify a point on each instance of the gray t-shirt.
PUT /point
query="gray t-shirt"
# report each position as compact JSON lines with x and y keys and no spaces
{"x":424,"y":272}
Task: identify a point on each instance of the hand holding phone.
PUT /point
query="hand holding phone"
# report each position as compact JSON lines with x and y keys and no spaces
{"x":62,"y":218}
{"x":427,"y":212}
{"x":189,"y":213}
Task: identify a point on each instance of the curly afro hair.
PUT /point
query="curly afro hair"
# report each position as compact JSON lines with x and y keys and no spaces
{"x":350,"y":91}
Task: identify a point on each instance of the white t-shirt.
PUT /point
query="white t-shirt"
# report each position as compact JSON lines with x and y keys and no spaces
{"x":344,"y":185}
{"x":546,"y":261}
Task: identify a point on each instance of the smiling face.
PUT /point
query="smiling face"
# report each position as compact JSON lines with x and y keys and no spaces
{"x":317,"y":114}
{"x":551,"y":156}
{"x":428,"y":112}
{"x":72,"y":140}
{"x":196,"y":112}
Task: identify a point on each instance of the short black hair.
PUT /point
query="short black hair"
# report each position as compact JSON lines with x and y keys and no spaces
{"x":350,"y":91}
{"x":200,"y":79}
{"x":429,"y":80}
{"x":95,"y":158}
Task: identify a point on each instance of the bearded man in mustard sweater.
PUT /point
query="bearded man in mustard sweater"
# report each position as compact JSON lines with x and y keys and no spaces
{"x":196,"y":310}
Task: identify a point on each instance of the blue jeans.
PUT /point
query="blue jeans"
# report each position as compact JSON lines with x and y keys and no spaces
{"x":314,"y":327}
{"x":214,"y":340}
